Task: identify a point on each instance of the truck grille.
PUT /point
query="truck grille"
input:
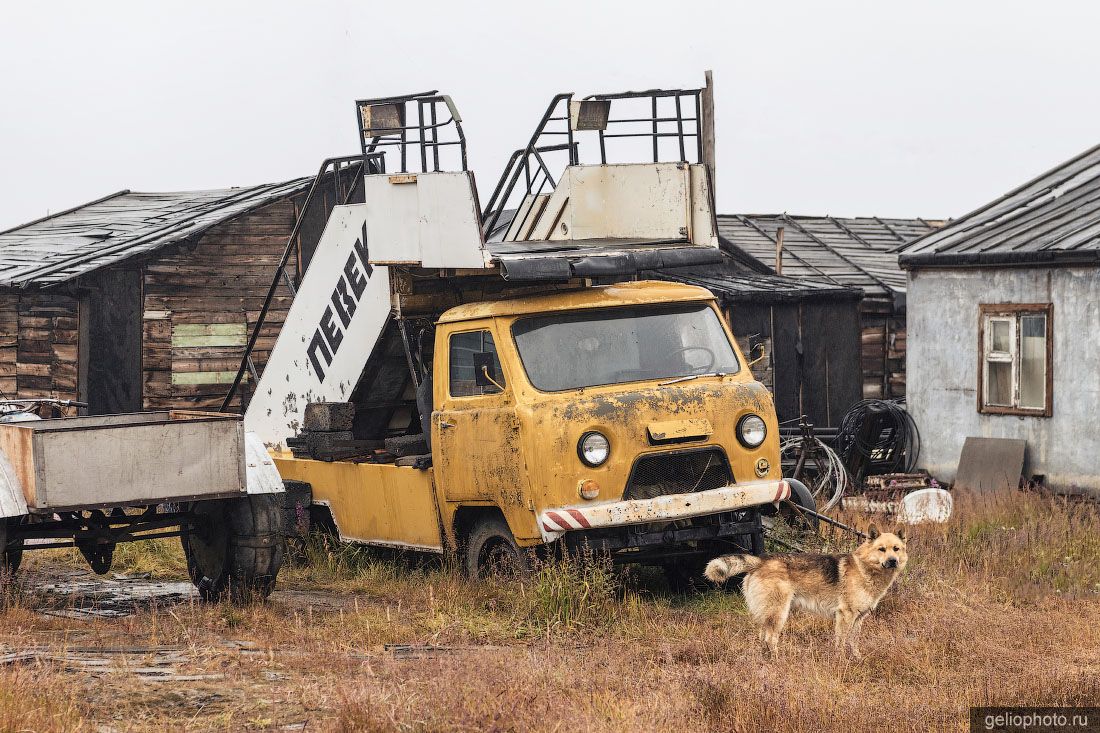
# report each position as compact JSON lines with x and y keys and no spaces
{"x":678,"y":472}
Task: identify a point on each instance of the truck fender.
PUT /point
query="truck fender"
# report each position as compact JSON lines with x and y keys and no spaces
{"x":263,"y":476}
{"x":12,"y":501}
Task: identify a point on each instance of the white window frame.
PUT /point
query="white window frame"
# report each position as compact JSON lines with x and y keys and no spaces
{"x":992,"y":356}
{"x":1011,"y":313}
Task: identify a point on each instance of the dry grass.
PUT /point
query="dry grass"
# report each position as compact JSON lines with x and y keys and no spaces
{"x":997,"y":607}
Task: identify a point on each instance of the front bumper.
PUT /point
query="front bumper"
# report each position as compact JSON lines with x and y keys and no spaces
{"x":553,"y":523}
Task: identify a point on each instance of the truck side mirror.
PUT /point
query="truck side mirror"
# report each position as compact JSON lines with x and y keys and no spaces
{"x":485,"y":363}
{"x":763,"y":352}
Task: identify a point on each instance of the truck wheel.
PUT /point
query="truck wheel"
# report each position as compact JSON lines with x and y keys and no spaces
{"x":491,"y":550}
{"x":10,"y":557}
{"x":685,"y":575}
{"x":800,"y":498}
{"x":236,"y":548}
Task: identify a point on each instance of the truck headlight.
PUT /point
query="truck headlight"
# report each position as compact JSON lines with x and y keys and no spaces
{"x":751,"y":431}
{"x":593,"y":449}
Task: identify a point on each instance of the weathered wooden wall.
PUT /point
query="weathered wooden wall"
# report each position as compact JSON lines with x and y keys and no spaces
{"x":201,"y":302}
{"x":110,"y":364}
{"x":882,"y":350}
{"x":39,"y":338}
{"x":812,"y":365}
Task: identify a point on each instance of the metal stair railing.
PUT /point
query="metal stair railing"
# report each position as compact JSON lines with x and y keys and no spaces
{"x":352,"y":167}
{"x":681,"y":124}
{"x":521,"y":162}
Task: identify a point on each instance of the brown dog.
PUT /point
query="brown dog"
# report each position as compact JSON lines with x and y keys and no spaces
{"x":845,"y":587}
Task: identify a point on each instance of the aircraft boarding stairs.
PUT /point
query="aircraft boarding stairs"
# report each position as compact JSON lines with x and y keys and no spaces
{"x":550,"y":218}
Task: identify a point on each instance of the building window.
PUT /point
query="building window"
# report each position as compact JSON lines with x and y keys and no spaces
{"x":475,"y":368}
{"x":1016,"y":349}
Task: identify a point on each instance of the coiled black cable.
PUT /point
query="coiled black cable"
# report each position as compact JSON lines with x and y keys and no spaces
{"x":888,"y":444}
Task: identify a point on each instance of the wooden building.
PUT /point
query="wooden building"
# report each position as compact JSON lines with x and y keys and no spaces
{"x":145,"y":300}
{"x":1004,"y":304}
{"x":806,"y":331}
{"x":858,"y":253}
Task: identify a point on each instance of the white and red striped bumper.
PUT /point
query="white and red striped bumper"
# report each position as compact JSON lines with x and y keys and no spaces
{"x":555,"y":522}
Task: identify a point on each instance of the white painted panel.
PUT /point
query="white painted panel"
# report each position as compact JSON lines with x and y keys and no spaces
{"x":127,"y":463}
{"x":263,"y":475}
{"x":12,"y":501}
{"x":291,"y":378}
{"x":392,"y":211}
{"x":549,"y":225}
{"x":426,"y":218}
{"x":702,"y":214}
{"x":634,"y":201}
{"x":449,"y":222}
{"x":521,"y":217}
{"x":532,"y":221}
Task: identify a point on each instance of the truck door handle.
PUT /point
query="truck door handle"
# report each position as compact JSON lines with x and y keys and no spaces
{"x":443,"y":424}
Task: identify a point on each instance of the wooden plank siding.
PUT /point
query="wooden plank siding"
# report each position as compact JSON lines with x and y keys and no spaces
{"x":9,"y":337}
{"x":39,"y":345}
{"x":201,"y":302}
{"x":812,"y":360}
{"x":882,"y":350}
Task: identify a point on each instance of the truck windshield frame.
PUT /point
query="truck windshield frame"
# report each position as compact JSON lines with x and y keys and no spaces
{"x":565,"y":351}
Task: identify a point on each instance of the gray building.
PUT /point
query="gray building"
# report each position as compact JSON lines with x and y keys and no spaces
{"x":1003,"y":321}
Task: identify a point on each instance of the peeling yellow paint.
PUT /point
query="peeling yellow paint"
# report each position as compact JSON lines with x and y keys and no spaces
{"x":517,"y":449}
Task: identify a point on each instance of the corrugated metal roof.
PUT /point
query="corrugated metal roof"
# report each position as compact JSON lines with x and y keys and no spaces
{"x":737,"y":283}
{"x":854,"y":252}
{"x":71,"y":243}
{"x":1054,"y":218}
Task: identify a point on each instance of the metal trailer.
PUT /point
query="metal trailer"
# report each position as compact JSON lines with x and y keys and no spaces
{"x":92,"y":482}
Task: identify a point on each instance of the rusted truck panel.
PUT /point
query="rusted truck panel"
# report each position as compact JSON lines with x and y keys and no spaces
{"x":120,"y":460}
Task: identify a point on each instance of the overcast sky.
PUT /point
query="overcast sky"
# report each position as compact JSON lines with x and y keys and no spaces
{"x":846,"y":108}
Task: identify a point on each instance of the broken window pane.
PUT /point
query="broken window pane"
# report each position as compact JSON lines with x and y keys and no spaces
{"x":1001,"y":336}
{"x":998,"y":383}
{"x":1033,"y":361}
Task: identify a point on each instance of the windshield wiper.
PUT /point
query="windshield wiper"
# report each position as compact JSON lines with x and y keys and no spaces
{"x":690,"y":377}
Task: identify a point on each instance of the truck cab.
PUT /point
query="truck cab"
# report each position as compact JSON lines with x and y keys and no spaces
{"x":622,"y":417}
{"x":491,"y":380}
{"x":619,"y":418}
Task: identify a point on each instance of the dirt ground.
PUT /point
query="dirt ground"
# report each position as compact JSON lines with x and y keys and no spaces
{"x":1000,"y":606}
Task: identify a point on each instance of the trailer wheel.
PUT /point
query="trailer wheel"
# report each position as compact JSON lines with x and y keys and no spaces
{"x":491,"y":550}
{"x":10,"y":557}
{"x":236,"y":548}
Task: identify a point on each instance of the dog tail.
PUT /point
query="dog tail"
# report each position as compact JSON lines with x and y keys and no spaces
{"x":721,"y":569}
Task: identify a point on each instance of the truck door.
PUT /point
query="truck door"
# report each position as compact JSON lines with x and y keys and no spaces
{"x":476,"y":429}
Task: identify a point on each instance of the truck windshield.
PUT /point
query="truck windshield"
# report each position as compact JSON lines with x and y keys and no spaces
{"x":566,"y":351}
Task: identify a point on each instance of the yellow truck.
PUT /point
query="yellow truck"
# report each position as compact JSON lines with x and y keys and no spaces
{"x":484,"y":381}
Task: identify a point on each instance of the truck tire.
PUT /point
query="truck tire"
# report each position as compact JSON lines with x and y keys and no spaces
{"x":236,"y":549}
{"x":685,"y":575}
{"x":10,"y":557}
{"x":490,"y":550}
{"x":800,"y":498}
